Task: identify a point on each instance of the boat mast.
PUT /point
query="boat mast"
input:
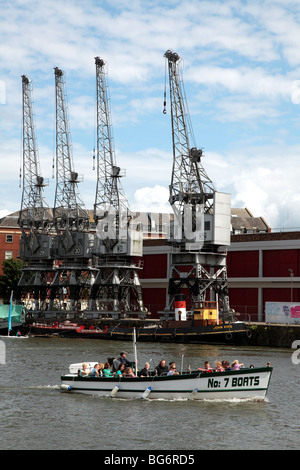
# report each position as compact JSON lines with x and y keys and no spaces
{"x":9,"y":314}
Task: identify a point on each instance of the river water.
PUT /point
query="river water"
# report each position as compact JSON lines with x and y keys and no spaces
{"x":35,"y":415}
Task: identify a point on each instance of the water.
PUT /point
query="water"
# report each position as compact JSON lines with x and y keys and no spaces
{"x":36,"y":415}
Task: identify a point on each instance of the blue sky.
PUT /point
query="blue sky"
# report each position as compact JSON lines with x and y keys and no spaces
{"x":242,"y":79}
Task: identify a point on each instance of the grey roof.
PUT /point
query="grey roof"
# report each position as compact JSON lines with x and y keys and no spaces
{"x":243,"y":220}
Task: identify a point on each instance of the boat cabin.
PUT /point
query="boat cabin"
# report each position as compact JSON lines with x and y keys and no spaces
{"x":206,"y":313}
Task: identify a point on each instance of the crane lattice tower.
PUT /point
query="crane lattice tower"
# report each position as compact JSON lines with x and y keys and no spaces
{"x":201,"y":229}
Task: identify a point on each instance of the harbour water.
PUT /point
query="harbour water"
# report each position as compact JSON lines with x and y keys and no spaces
{"x":35,"y":415}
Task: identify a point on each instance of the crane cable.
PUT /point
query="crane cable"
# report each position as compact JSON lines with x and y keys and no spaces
{"x":165,"y":92}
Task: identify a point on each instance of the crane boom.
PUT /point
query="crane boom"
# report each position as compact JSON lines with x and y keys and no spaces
{"x":190,"y":184}
{"x":35,"y":216}
{"x":69,"y":211}
{"x":111,"y":208}
{"x":109,"y":192}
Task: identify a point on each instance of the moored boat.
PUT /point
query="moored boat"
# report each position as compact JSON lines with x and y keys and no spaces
{"x":167,"y":332}
{"x":241,"y":384}
{"x":12,"y":318}
{"x":203,"y":326}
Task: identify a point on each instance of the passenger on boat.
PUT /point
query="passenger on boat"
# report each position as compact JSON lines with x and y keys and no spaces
{"x":106,"y":370}
{"x":172,"y":369}
{"x":101,"y":367}
{"x":120,"y":372}
{"x":84,"y":372}
{"x":121,"y":360}
{"x":95,"y":371}
{"x":207,"y":367}
{"x":219,"y":367}
{"x":226,"y":366}
{"x":236,"y":365}
{"x":145,"y":372}
{"x":162,"y":368}
{"x":129,"y":372}
{"x":110,"y":361}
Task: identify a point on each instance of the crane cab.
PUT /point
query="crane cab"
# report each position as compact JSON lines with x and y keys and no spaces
{"x":206,"y":313}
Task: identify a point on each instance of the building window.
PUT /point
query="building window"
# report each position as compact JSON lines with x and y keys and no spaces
{"x":8,"y":255}
{"x":9,"y":238}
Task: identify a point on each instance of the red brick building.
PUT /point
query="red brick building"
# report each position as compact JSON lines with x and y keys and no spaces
{"x":10,"y":234}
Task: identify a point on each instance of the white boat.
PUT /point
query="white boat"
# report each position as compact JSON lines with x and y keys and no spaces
{"x":245,"y":383}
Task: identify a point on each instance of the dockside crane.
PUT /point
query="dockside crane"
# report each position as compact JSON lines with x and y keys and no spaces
{"x":202,"y":216}
{"x":35,"y":217}
{"x":116,"y":289}
{"x":73,"y":242}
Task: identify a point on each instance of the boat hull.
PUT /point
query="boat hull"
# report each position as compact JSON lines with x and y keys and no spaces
{"x":243,"y":384}
{"x":15,"y":327}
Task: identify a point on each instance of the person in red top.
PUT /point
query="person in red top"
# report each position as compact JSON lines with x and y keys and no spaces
{"x":207,"y":367}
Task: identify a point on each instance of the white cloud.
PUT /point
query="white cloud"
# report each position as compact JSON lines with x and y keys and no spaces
{"x":152,"y":199}
{"x":4,"y":213}
{"x":268,"y":190}
{"x":254,"y":82}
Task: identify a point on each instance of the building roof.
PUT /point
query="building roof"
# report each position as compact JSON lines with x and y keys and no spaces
{"x":242,"y":221}
{"x":10,"y":221}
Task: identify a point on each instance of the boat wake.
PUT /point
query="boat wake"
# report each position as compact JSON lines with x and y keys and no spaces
{"x":44,"y":387}
{"x":173,"y":400}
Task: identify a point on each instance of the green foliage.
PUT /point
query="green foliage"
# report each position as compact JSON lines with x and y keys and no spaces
{"x":10,"y":277}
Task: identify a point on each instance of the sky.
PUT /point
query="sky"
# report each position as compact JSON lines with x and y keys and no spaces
{"x":241,"y":72}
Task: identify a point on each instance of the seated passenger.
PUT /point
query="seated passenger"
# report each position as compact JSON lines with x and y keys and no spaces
{"x":120,"y":372}
{"x":101,"y":367}
{"x":162,"y":368}
{"x":145,"y":371}
{"x":106,"y":371}
{"x":236,"y":365}
{"x":129,"y":372}
{"x":207,"y":367}
{"x":226,"y":366}
{"x":172,"y":369}
{"x":95,"y":371}
{"x":84,"y":372}
{"x":219,"y":367}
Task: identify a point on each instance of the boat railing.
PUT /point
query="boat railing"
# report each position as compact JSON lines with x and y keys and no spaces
{"x":60,"y":325}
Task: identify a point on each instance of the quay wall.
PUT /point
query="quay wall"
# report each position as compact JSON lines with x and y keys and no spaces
{"x":273,"y":335}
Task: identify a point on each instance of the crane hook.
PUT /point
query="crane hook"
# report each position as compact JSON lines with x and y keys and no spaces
{"x":93,"y":158}
{"x":165,"y":90}
{"x":165,"y":103}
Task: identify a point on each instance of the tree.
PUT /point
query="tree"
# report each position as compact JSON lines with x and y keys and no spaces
{"x":10,"y":277}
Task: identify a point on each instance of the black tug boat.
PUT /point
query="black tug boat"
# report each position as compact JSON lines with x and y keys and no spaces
{"x":201,"y":326}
